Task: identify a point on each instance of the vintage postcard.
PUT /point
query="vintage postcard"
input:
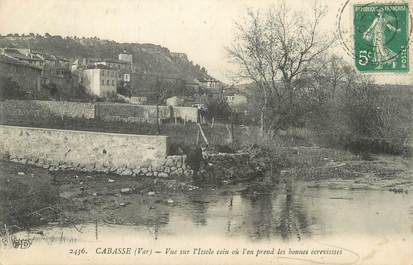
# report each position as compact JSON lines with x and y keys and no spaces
{"x":206,"y":132}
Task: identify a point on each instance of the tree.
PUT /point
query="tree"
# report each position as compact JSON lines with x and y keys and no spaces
{"x":124,"y":89}
{"x":218,"y":109}
{"x":274,"y":50}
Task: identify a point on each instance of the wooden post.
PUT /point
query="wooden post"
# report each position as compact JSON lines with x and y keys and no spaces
{"x":232,"y":127}
{"x":197,"y":137}
{"x":202,"y":133}
{"x":157,"y":116}
{"x":229,"y":133}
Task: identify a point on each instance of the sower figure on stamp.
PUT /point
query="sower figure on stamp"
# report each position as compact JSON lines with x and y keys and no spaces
{"x":376,"y":33}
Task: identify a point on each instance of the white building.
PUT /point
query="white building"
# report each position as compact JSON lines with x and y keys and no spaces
{"x":100,"y":81}
{"x":236,"y":100}
{"x":209,"y":83}
{"x":125,"y":57}
{"x":174,"y":101}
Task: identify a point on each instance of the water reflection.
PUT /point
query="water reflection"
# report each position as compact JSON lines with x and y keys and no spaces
{"x":260,"y":216}
{"x":276,"y":212}
{"x":292,"y":221}
{"x":199,"y":203}
{"x":288,"y":211}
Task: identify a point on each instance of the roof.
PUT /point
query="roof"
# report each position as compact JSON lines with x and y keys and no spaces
{"x":99,"y":66}
{"x":191,"y":81}
{"x":44,"y":55}
{"x":62,"y":59}
{"x":10,"y":60}
{"x":114,"y":61}
{"x":16,"y":54}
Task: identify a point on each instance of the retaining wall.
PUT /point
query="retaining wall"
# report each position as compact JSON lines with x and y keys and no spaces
{"x":143,"y":113}
{"x":122,"y":154}
{"x":43,"y":109}
{"x":130,"y":112}
{"x":186,"y":113}
{"x":80,"y":148}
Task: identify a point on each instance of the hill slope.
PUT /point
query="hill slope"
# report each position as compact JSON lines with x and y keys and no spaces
{"x":148,"y":58}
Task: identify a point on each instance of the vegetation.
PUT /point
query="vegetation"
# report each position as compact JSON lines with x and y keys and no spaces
{"x":275,"y":49}
{"x":298,"y":84}
{"x":147,"y":58}
{"x":219,"y":110}
{"x":10,"y":89}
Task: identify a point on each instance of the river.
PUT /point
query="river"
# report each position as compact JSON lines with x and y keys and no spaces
{"x":288,"y":211}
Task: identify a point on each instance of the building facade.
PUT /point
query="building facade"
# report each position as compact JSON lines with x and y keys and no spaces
{"x":236,"y":100}
{"x":27,"y":76}
{"x":51,"y":65}
{"x":125,"y":57}
{"x":101,"y":82}
{"x":209,"y":83}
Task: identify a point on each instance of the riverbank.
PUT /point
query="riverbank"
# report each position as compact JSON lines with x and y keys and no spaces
{"x":32,"y":196}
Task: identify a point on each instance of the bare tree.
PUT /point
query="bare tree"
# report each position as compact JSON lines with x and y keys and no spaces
{"x":326,"y":75}
{"x":273,"y":49}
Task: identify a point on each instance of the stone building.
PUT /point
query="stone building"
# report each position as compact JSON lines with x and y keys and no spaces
{"x":100,"y":81}
{"x":51,"y":65}
{"x":122,"y":67}
{"x":22,"y":55}
{"x":236,"y":100}
{"x":27,"y":76}
{"x":125,"y":57}
{"x":209,"y":83}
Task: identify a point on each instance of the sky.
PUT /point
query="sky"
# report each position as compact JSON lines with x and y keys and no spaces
{"x":200,"y":28}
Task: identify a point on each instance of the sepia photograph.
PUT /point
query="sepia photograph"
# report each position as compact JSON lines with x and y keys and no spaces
{"x":206,"y":132}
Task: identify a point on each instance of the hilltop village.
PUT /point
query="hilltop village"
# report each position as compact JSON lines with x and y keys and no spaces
{"x":40,"y":74}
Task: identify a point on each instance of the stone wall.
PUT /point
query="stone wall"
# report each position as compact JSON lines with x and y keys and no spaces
{"x":42,"y":109}
{"x":130,"y":112}
{"x":122,"y":154}
{"x":82,"y":150}
{"x":169,"y":167}
{"x":186,"y":113}
{"x":143,"y":113}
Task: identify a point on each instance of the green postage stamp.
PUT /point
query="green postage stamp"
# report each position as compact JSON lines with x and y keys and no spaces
{"x":381,"y":36}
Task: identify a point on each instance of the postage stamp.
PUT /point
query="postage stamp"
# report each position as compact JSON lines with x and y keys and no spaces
{"x":381,"y":36}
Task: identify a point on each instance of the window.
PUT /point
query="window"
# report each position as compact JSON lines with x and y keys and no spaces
{"x":103,"y":81}
{"x":107,"y":82}
{"x":103,"y":72}
{"x":113,"y":82}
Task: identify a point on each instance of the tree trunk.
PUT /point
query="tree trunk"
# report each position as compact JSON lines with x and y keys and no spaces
{"x":157,"y":117}
{"x":263,"y":110}
{"x":291,"y":103}
{"x":262,"y":122}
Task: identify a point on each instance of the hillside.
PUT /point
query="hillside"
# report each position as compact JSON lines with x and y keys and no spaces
{"x":148,"y":58}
